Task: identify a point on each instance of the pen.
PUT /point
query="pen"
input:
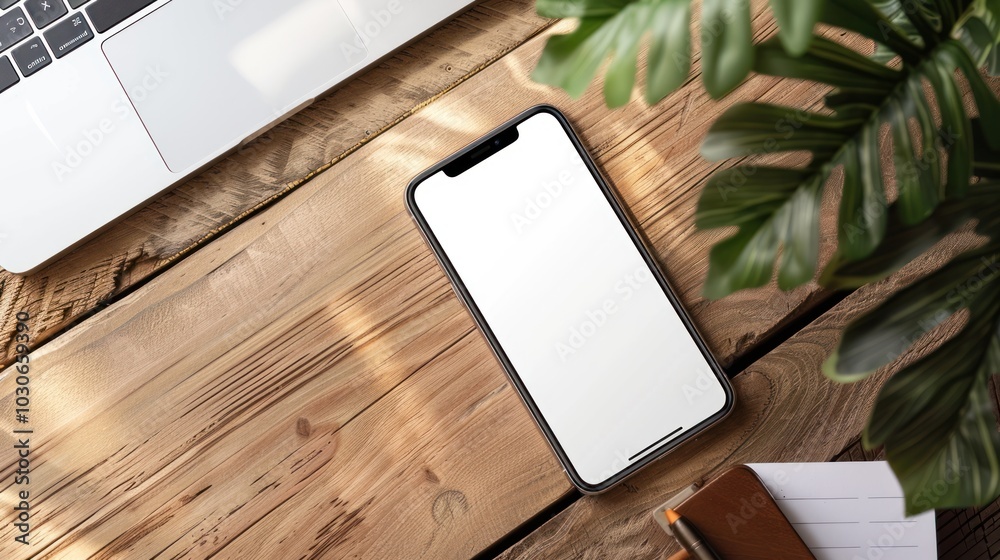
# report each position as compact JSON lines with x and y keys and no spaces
{"x":689,"y":537}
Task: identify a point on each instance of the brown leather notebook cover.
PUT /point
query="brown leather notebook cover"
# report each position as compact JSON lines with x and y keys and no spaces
{"x":741,"y":521}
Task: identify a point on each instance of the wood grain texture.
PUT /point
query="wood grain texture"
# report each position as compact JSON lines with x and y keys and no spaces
{"x":281,"y":160}
{"x":787,"y":411}
{"x":306,"y":380}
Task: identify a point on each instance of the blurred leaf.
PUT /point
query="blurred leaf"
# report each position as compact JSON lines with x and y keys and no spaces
{"x":570,"y":61}
{"x":750,"y":128}
{"x":796,"y":20}
{"x":829,"y":63}
{"x":726,"y":44}
{"x":670,"y":49}
{"x":613,"y":30}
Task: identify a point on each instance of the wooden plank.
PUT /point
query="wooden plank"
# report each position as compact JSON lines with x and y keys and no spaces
{"x":787,"y":411}
{"x":306,"y":381}
{"x":281,"y":160}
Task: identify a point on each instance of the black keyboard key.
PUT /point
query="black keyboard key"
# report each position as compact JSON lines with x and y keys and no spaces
{"x":68,"y":34}
{"x":8,"y":76}
{"x":77,"y":3}
{"x":31,"y":56}
{"x":4,"y":4}
{"x":108,"y":13}
{"x":44,"y":12}
{"x":14,"y":27}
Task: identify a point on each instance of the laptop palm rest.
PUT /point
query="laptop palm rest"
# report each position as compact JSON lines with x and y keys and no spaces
{"x":231,"y":69}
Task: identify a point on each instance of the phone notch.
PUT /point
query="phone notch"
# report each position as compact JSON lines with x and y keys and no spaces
{"x":482,"y":151}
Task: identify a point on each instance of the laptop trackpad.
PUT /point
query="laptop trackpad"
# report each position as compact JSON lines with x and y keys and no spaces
{"x":204,"y":76}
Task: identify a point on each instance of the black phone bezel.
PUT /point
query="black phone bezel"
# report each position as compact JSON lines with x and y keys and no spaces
{"x":458,"y":161}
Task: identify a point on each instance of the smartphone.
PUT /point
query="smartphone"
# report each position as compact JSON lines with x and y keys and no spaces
{"x":571,"y":301}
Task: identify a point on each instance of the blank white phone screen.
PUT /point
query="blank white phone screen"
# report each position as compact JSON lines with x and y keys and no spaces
{"x":588,"y":329}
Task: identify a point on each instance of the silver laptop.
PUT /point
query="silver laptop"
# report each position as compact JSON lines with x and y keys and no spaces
{"x":104,"y":104}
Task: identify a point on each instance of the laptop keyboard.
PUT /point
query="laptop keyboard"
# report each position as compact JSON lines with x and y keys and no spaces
{"x":32,"y":32}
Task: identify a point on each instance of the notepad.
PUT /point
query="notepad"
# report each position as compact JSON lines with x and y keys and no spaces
{"x":849,"y":511}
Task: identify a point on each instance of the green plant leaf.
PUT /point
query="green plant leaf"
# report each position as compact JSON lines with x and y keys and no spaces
{"x":781,"y":210}
{"x":937,"y":423}
{"x":613,"y":30}
{"x":863,"y":18}
{"x":750,"y":128}
{"x":796,"y":20}
{"x":726,"y":44}
{"x":894,"y":11}
{"x":882,"y":335}
{"x":570,"y":61}
{"x":904,"y":242}
{"x":985,"y":160}
{"x":980,"y":34}
{"x":863,"y":205}
{"x":916,"y":181}
{"x":670,"y":49}
{"x":934,"y":416}
{"x":956,"y":130}
{"x":867,"y":95}
{"x":954,"y":56}
{"x":829,"y":63}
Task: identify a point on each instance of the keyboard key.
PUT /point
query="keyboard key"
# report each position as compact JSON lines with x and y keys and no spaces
{"x":8,"y":76}
{"x":44,"y":12}
{"x":68,"y":34}
{"x":4,"y":4}
{"x":108,"y":13}
{"x":14,"y":27}
{"x":31,"y":56}
{"x":77,"y":3}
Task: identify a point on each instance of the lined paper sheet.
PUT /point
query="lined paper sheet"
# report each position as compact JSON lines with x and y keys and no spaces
{"x":849,"y":511}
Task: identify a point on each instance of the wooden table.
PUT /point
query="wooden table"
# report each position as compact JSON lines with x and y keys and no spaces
{"x":268,"y":363}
